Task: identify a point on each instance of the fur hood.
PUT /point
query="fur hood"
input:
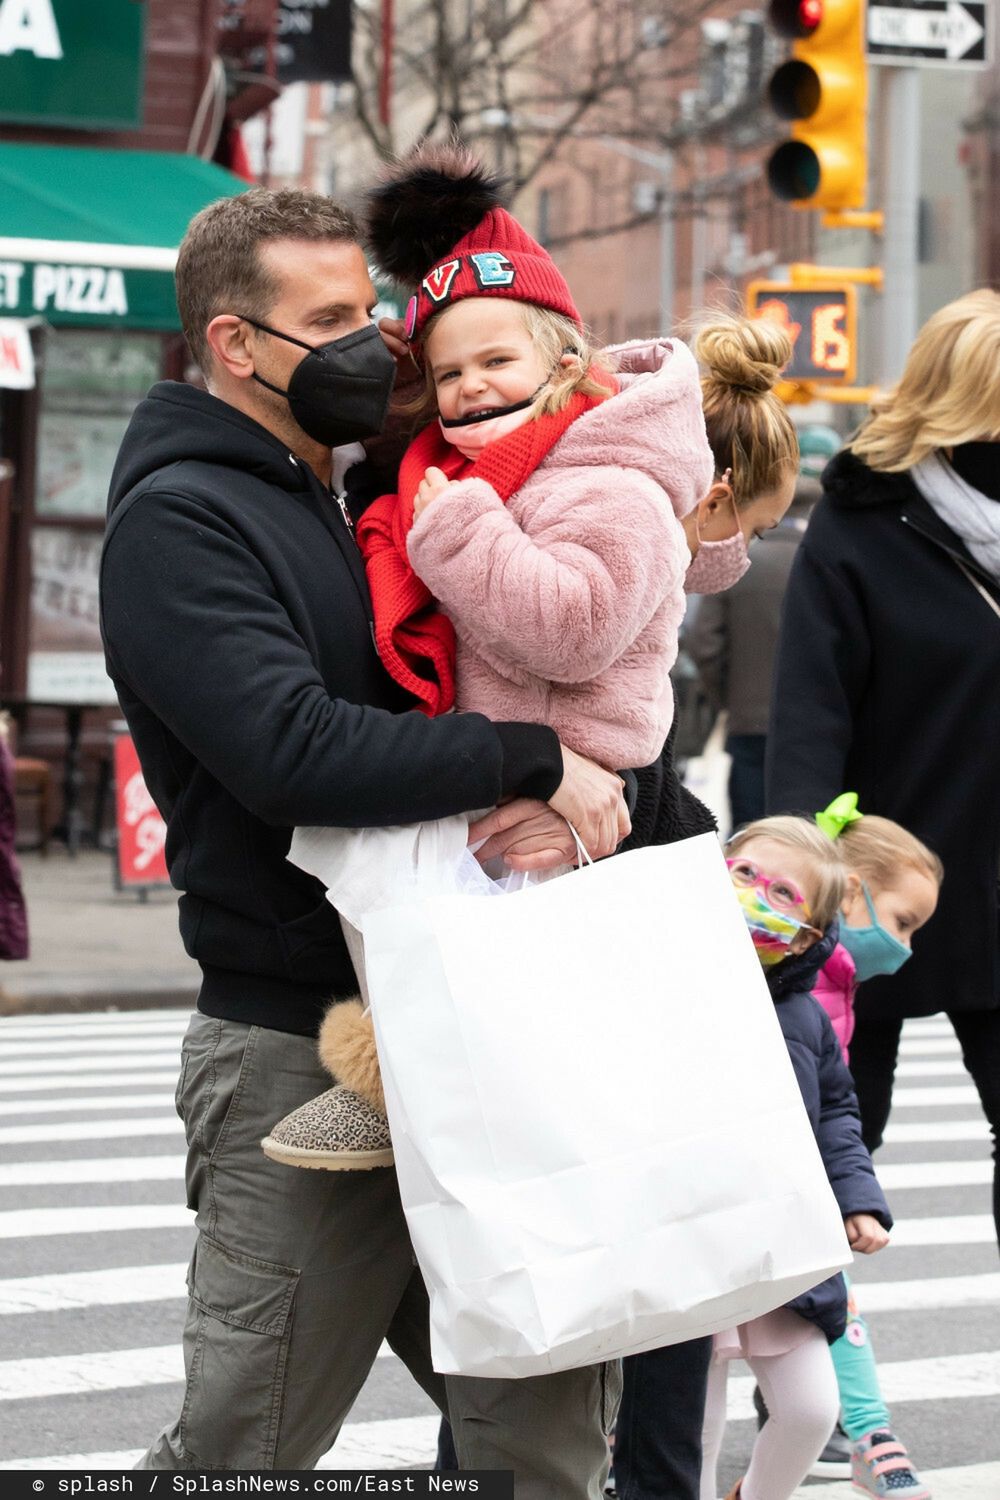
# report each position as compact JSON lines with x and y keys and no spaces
{"x":654,"y":424}
{"x":850,"y":484}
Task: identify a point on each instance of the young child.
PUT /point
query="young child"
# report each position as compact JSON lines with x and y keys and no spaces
{"x":891,"y":891}
{"x":790,"y":882}
{"x":549,"y":522}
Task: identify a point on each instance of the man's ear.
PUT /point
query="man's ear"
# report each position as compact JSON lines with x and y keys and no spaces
{"x":229,"y":337}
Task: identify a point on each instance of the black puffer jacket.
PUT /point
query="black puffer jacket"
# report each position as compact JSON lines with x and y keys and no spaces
{"x":887,"y":685}
{"x":828,"y":1094}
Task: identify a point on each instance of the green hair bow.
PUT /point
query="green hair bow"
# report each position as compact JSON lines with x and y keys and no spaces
{"x":843,"y":811}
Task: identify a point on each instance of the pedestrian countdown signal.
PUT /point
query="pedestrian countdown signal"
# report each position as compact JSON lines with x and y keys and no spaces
{"x":822,"y":90}
{"x":821,"y":323}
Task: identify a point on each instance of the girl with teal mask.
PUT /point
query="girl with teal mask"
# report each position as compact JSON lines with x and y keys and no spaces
{"x":892,"y":885}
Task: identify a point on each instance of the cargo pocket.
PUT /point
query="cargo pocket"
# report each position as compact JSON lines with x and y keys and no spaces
{"x":239,"y":1330}
{"x":611,"y":1394}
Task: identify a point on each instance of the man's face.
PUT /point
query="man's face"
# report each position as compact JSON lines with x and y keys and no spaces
{"x":324,"y":293}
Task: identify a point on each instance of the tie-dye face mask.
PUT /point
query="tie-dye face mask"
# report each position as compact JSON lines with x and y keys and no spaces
{"x":772,"y":931}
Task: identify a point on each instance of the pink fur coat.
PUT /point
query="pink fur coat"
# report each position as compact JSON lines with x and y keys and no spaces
{"x":567,"y":600}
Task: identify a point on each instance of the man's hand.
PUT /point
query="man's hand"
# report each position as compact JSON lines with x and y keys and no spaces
{"x":865,"y":1233}
{"x":593,"y":800}
{"x":393,"y":331}
{"x":433,"y":484}
{"x":527,"y":835}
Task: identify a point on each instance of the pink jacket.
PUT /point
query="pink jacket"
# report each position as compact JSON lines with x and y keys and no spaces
{"x":834,"y":989}
{"x":567,"y":601}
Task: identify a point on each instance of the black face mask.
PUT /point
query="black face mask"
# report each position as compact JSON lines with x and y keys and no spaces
{"x":340,"y":391}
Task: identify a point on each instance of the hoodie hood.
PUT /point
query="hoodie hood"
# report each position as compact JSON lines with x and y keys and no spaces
{"x":799,"y":973}
{"x":654,"y":423}
{"x":177,"y":423}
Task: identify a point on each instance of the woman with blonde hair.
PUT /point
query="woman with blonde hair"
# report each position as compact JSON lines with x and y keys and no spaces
{"x":887,"y":678}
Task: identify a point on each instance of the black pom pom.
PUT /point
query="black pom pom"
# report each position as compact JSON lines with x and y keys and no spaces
{"x":423,"y":206}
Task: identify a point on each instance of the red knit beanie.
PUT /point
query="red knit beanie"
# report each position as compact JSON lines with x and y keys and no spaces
{"x":436,"y":222}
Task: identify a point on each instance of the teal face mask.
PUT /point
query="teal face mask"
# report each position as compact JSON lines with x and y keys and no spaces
{"x":874,"y":950}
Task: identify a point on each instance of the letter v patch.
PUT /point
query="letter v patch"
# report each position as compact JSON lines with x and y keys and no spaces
{"x":437,"y":283}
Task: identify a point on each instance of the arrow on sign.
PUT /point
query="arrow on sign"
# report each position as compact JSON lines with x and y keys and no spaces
{"x":952,"y":31}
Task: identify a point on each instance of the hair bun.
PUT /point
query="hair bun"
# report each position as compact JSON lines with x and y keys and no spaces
{"x":743,"y":354}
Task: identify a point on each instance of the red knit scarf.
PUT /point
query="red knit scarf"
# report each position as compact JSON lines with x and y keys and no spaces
{"x":414,"y":639}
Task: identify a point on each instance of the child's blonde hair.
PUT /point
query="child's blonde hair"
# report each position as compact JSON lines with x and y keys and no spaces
{"x":877,"y":848}
{"x":801,"y":833}
{"x":553,"y":334}
{"x":749,"y":429}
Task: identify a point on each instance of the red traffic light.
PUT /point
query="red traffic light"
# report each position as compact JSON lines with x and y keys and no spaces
{"x":796,"y":18}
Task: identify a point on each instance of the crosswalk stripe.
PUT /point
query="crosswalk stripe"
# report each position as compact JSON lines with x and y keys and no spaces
{"x":111,"y":1046}
{"x":942,"y":1067}
{"x":74,"y":1374}
{"x":935,"y":1046}
{"x":97,"y":1169}
{"x":934,"y":1097}
{"x":930,"y":1295}
{"x":30,"y":1031}
{"x":898,"y":1176}
{"x":920,"y":1131}
{"x":894,"y":1176}
{"x":76,"y":1289}
{"x":89,"y":1081}
{"x":86,"y":1065}
{"x":956,"y":1229}
{"x":27,"y":1223}
{"x":68,"y":1106}
{"x":411,"y":1440}
{"x":88,"y":1130}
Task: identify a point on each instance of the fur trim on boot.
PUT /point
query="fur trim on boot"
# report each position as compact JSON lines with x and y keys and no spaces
{"x":347,"y":1050}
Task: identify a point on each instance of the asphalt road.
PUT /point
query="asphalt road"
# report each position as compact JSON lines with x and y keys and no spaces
{"x":95,"y":1238}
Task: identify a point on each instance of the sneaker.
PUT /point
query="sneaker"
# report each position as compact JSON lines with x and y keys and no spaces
{"x":337,"y":1131}
{"x":835,"y":1460}
{"x":880,"y":1465}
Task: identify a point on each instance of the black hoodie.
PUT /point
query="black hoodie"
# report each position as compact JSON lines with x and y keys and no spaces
{"x":237,"y":629}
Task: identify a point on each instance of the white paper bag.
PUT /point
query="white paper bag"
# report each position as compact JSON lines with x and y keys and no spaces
{"x":600,"y":1143}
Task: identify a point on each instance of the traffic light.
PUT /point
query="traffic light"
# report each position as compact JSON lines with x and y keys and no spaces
{"x":823,"y":91}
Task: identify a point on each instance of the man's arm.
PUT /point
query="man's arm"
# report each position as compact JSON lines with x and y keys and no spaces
{"x":193,"y":626}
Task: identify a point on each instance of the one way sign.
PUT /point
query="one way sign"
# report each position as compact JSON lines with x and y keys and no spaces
{"x":929,"y":33}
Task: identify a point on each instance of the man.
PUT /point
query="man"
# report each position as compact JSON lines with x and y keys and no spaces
{"x":237,"y":627}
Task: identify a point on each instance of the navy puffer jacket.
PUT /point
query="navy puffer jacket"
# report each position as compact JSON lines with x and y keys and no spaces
{"x":831,"y":1104}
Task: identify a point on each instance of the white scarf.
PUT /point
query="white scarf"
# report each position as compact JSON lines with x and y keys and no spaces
{"x":972,"y":516}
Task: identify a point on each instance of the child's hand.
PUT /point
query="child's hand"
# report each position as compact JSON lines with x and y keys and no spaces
{"x":431,"y":486}
{"x":865,"y":1233}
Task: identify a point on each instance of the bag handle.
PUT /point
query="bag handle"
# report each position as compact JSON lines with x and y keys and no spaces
{"x":584,"y":856}
{"x":994,"y":606}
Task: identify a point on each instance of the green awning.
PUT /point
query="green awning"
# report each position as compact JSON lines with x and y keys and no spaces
{"x":88,"y":238}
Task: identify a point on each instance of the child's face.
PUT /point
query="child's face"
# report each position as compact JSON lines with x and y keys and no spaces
{"x":902,"y":908}
{"x":783,"y":877}
{"x":481,"y":356}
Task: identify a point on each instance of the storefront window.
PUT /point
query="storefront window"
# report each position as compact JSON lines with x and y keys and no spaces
{"x":91,"y":382}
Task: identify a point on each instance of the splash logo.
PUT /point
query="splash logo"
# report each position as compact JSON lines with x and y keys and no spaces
{"x":437,"y":283}
{"x":492,"y":269}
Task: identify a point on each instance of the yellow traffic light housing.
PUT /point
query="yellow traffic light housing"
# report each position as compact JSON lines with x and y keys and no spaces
{"x":823,"y":91}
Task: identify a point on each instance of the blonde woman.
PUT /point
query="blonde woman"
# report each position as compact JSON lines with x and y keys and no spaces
{"x":887,"y":675}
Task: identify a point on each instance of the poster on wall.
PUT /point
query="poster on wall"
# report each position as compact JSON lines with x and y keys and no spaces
{"x":66,"y":658}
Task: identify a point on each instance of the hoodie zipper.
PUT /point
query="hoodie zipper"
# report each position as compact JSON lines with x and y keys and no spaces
{"x":342,"y":502}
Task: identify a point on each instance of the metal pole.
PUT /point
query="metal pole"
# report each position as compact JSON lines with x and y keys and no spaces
{"x":667,"y":227}
{"x":901,"y":177}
